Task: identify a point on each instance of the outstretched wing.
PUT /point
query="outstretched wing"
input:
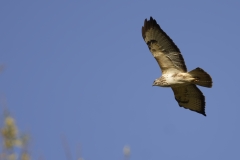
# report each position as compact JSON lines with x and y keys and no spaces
{"x":190,"y":97}
{"x":162,"y":47}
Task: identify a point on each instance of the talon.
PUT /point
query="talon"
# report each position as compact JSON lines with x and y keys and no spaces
{"x":196,"y":79}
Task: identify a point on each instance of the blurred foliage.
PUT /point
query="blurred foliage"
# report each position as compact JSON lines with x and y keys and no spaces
{"x":14,"y":145}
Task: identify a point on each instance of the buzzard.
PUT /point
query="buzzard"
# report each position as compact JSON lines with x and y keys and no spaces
{"x":174,"y":70}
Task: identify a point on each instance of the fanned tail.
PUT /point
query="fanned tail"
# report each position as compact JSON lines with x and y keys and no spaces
{"x":202,"y":77}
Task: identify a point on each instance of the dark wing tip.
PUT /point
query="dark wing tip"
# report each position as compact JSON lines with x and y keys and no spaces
{"x":203,"y":104}
{"x":202,"y":99}
{"x":152,"y":23}
{"x":200,"y":112}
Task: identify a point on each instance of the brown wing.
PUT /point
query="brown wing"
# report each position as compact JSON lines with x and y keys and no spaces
{"x":162,"y":47}
{"x":190,"y":97}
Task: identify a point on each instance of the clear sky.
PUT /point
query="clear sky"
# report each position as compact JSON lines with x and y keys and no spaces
{"x":81,"y":70}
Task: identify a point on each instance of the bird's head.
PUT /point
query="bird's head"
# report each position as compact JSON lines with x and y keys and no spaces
{"x":156,"y":82}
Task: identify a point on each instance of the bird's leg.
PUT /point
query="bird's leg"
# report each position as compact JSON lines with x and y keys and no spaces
{"x":196,"y":79}
{"x":193,"y":80}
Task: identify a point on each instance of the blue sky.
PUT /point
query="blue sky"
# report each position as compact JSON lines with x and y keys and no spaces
{"x":81,"y":70}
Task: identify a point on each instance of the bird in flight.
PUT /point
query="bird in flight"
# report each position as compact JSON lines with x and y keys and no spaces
{"x":174,"y":70}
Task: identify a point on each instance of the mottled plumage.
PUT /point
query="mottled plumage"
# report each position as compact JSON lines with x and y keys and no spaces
{"x":174,"y":70}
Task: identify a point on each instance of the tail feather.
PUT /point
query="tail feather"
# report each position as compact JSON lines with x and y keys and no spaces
{"x":202,"y":77}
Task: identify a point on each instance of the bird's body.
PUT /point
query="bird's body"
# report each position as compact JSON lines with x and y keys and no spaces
{"x":174,"y":79}
{"x":174,"y":70}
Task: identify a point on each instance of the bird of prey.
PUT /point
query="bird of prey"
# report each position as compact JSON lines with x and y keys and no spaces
{"x":174,"y":70}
